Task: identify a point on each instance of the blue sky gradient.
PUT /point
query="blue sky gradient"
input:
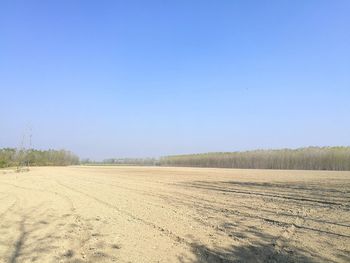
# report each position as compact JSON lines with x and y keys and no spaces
{"x":150,"y":78}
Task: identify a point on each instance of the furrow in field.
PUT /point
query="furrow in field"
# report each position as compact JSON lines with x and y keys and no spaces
{"x":210,"y":204}
{"x":168,"y":232}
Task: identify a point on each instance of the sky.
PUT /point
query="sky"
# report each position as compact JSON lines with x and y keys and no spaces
{"x":152,"y":78}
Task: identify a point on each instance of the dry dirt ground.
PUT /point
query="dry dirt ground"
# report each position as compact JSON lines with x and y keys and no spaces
{"x":151,"y":214}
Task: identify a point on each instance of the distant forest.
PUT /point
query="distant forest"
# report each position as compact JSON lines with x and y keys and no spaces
{"x":10,"y":157}
{"x":132,"y":161}
{"x":311,"y":158}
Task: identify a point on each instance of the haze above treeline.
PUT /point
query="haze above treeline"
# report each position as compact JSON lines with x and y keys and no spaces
{"x":309,"y":158}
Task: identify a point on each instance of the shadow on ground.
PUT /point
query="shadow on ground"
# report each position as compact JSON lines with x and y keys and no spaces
{"x":42,"y":236}
{"x":249,"y":253}
{"x":251,"y":244}
{"x":266,"y":248}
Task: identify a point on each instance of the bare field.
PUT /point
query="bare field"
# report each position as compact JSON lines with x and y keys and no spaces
{"x":151,"y":214}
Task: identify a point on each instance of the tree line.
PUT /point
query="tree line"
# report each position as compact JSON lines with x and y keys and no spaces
{"x":311,"y":158}
{"x":10,"y":157}
{"x":132,"y":161}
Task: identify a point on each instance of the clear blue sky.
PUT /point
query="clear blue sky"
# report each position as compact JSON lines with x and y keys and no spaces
{"x":150,"y":78}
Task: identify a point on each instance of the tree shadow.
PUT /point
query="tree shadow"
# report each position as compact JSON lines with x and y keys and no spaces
{"x":251,"y":244}
{"x":264,"y":248}
{"x":19,"y":243}
{"x":248,"y":253}
{"x":43,"y":236}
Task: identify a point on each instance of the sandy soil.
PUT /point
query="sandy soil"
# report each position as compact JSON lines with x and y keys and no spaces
{"x":140,"y":214}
